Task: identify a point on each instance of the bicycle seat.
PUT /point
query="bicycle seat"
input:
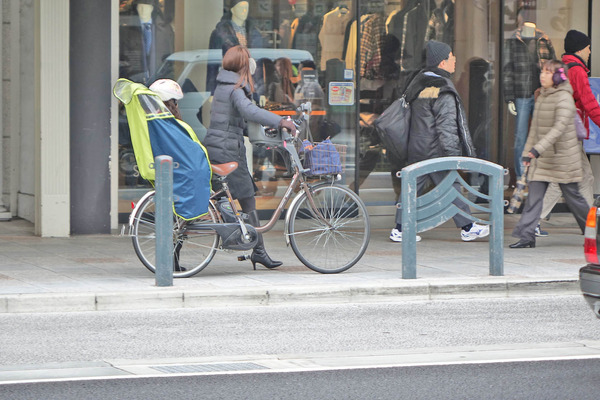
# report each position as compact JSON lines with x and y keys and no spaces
{"x":224,"y":169}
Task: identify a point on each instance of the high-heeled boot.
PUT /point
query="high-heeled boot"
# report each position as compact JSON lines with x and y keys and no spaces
{"x":176,"y":251}
{"x":259,"y":254}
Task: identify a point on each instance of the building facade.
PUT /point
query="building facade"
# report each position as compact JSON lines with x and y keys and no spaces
{"x":67,"y":161}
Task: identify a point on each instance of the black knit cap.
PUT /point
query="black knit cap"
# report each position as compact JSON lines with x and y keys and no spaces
{"x":233,"y":3}
{"x":575,"y":41}
{"x":436,"y":52}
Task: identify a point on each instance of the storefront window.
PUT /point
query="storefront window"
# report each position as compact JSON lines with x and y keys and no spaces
{"x":534,"y":32}
{"x":299,"y":46}
{"x":350,"y":59}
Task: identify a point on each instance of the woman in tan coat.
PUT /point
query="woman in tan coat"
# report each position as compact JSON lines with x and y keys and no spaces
{"x":552,"y":153}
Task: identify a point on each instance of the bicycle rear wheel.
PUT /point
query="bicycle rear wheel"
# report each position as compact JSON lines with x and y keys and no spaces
{"x":192,"y":250}
{"x":333,"y":237}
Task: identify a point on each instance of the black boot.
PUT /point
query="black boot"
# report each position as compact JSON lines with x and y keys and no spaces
{"x":259,"y":254}
{"x":177,"y":250}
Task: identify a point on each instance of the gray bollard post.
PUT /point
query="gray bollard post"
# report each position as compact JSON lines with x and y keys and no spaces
{"x":163,"y":166}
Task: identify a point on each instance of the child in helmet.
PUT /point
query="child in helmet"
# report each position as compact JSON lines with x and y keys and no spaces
{"x":169,"y":92}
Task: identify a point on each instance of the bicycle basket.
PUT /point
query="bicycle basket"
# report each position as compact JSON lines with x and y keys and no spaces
{"x":323,"y":158}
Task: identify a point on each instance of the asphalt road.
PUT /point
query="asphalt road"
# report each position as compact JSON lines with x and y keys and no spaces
{"x":576,"y":379}
{"x":350,"y":335}
{"x":62,"y":337}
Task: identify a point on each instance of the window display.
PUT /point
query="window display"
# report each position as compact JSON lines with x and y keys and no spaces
{"x":291,"y":46}
{"x":350,"y":59}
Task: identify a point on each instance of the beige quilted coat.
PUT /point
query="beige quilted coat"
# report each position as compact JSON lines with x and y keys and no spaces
{"x":552,"y":134}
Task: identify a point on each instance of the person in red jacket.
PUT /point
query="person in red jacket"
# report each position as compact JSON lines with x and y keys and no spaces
{"x":576,"y":57}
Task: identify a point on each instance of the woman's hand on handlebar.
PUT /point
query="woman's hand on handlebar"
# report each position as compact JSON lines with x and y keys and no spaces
{"x":289,"y":125}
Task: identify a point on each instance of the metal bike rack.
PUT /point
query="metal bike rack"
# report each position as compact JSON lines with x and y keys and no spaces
{"x":435,"y":207}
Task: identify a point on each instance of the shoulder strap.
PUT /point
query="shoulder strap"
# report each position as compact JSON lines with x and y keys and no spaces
{"x":574,"y":64}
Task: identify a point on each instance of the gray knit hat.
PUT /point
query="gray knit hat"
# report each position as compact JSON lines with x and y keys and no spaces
{"x":436,"y":52}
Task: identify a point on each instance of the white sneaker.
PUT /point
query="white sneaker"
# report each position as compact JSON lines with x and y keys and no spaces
{"x":476,"y":231}
{"x":396,"y":236}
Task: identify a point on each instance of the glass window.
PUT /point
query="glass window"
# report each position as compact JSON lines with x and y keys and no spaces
{"x":300,"y":47}
{"x":533,"y":32}
{"x":350,"y":59}
{"x":391,"y":42}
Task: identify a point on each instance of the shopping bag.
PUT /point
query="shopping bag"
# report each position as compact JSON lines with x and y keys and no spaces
{"x":518,"y":194}
{"x":582,"y":133}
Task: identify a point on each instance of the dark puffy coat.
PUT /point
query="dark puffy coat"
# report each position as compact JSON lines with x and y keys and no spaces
{"x":438,"y":126}
{"x":224,"y":141}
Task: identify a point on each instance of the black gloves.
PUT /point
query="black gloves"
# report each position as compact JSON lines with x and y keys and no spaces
{"x":289,"y":125}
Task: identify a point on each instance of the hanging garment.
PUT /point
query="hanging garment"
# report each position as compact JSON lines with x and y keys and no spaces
{"x":332,"y":33}
{"x":409,"y":26}
{"x":373,"y":31}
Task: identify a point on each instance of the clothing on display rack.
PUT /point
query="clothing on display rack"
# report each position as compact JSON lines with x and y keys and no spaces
{"x":526,"y":50}
{"x":306,"y":33}
{"x":409,"y":26}
{"x":331,"y":35}
{"x":372,"y":32}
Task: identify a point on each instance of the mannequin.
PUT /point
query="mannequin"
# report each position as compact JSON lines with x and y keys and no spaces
{"x":145,"y":12}
{"x":235,"y":28}
{"x":239,"y":13}
{"x":526,"y":50}
{"x":145,"y":39}
{"x":528,"y":32}
{"x":145,"y":15}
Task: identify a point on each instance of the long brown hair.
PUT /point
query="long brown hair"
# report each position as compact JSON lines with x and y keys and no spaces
{"x":286,"y":76}
{"x":236,"y":59}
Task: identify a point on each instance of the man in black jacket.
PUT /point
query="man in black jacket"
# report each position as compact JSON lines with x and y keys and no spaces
{"x":438,"y":128}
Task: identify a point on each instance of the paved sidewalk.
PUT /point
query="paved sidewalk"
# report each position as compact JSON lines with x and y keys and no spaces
{"x":101,"y":272}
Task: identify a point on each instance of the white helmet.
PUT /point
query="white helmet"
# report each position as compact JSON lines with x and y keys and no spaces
{"x":167,"y":89}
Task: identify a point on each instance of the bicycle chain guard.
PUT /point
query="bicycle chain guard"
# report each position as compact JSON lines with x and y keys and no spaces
{"x":232,"y":239}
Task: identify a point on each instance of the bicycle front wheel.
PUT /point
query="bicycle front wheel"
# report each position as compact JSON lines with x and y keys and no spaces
{"x":332,"y":236}
{"x":192,"y":249}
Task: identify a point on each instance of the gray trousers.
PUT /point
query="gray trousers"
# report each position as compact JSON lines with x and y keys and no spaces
{"x":525,"y":229}
{"x":586,"y":187}
{"x":436,"y":178}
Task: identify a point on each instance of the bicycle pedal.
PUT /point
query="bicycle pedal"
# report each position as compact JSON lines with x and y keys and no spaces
{"x":244,"y":257}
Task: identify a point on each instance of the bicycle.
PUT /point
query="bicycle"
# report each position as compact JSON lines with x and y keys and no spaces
{"x":327,"y":225}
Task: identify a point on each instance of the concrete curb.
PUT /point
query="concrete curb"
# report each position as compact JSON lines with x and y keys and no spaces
{"x":174,"y":297}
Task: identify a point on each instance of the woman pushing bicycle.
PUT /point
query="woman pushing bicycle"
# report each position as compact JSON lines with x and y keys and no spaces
{"x":231,"y":108}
